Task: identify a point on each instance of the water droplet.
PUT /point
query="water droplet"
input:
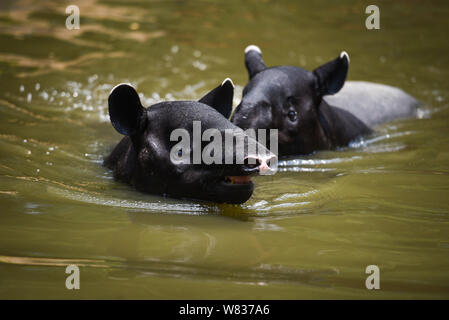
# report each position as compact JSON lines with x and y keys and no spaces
{"x":44,"y":95}
{"x":134,"y":26}
{"x":174,"y":49}
{"x":92,"y":78}
{"x":22,"y":88}
{"x":37,"y":86}
{"x":199,"y":65}
{"x":29,"y":97}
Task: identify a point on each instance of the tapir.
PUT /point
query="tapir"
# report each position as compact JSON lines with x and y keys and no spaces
{"x":144,"y":158}
{"x":315,"y":110}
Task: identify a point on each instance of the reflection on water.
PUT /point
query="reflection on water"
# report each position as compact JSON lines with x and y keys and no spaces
{"x":158,"y":205}
{"x":307,"y":232}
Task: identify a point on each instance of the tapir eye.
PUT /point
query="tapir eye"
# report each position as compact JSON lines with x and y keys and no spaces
{"x":292,"y":115}
{"x":180,"y":153}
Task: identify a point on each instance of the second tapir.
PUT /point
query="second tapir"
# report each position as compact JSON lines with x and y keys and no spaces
{"x":306,"y":109}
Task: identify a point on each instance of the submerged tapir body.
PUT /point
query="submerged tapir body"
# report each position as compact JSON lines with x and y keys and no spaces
{"x":300,"y":104}
{"x":144,"y":157}
{"x":374,"y":103}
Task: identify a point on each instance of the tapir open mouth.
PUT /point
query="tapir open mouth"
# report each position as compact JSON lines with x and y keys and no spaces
{"x":231,"y":189}
{"x":238,"y":179}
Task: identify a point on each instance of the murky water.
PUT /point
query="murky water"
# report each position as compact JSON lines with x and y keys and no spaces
{"x":308,"y":232}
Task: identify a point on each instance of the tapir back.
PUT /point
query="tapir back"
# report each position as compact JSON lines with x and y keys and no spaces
{"x":374,"y":103}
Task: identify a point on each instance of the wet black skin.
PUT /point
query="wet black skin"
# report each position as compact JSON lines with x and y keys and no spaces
{"x":142,"y":157}
{"x":290,"y":99}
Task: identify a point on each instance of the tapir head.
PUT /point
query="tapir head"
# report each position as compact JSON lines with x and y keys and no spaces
{"x":167,"y":148}
{"x":288,"y":99}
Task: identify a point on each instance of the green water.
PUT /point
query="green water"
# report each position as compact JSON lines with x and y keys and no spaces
{"x":308,"y":232}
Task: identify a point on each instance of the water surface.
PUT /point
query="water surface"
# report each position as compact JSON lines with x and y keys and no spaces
{"x":308,"y":232}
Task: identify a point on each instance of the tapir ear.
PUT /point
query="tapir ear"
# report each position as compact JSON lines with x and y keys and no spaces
{"x":125,"y":110}
{"x":332,"y":75}
{"x":221,"y":98}
{"x":253,"y":60}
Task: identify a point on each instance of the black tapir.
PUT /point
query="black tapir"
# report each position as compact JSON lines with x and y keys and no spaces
{"x":143,"y":157}
{"x":298,"y":103}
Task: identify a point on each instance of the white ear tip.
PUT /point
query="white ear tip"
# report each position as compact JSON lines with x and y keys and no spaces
{"x":226,"y":80}
{"x":253,"y":47}
{"x":126,"y":84}
{"x":344,"y":54}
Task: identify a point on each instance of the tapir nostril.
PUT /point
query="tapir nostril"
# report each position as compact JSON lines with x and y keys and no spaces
{"x":251,"y":163}
{"x":272,"y":162}
{"x":263,"y":165}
